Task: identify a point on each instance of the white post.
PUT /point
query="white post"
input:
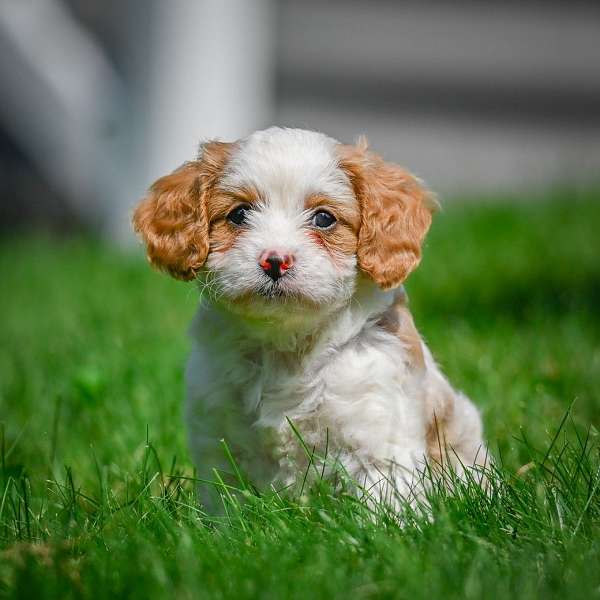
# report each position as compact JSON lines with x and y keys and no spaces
{"x":206,"y":71}
{"x":211,"y":76}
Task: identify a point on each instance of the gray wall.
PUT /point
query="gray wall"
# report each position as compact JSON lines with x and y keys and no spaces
{"x":479,"y":98}
{"x":488,"y":97}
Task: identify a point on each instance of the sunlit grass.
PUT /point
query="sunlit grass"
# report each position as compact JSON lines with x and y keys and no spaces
{"x":97,"y":493}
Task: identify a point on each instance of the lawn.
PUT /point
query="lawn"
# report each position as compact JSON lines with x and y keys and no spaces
{"x":96,"y":491}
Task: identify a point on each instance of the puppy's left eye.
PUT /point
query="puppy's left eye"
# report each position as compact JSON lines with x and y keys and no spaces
{"x":239,"y":215}
{"x":323,"y":219}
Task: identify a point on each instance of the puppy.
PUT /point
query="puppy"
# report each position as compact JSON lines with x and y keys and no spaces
{"x":300,"y":343}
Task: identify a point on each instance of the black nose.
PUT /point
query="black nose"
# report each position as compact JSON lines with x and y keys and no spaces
{"x":272,"y":267}
{"x":276,"y":263}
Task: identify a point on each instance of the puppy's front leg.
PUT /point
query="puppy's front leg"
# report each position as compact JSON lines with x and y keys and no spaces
{"x":377,"y":418}
{"x":396,"y":483}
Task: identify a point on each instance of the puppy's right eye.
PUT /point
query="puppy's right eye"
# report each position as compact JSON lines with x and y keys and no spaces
{"x":239,"y":214}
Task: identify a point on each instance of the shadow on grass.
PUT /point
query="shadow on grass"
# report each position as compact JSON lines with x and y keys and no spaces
{"x":542,"y":293}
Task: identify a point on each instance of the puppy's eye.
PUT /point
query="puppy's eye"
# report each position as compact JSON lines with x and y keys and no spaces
{"x":239,"y":214}
{"x":323,"y":219}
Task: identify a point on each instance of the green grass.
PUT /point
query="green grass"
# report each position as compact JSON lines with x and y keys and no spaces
{"x":95,"y":499}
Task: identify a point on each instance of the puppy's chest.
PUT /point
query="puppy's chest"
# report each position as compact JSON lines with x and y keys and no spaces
{"x":283,"y":386}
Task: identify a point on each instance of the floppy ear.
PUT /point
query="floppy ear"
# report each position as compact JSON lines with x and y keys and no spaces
{"x":395,"y":212}
{"x":172,"y":219}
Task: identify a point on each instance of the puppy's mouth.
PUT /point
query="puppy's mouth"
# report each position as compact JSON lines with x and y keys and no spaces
{"x":280,"y":293}
{"x":274,"y":293}
{"x":276,"y":290}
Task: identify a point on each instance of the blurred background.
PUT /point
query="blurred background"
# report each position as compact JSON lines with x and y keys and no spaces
{"x":495,"y":104}
{"x":100,"y":97}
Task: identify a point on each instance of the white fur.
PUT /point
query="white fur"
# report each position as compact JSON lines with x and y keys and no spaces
{"x":285,"y":166}
{"x":316,"y":356}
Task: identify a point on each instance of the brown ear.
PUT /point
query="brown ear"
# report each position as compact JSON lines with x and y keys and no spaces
{"x":395,"y":215}
{"x":172,"y":219}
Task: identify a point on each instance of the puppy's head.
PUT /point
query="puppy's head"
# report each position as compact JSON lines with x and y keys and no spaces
{"x":285,"y":218}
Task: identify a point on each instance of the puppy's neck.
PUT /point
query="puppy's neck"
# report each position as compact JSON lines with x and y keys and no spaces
{"x":301,"y":332}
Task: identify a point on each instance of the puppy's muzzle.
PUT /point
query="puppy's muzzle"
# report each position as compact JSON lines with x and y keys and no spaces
{"x":275,"y":263}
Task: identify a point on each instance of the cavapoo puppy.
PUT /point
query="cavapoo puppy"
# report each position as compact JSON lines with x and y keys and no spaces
{"x":300,"y":245}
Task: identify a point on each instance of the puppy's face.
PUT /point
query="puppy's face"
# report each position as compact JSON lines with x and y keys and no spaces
{"x":285,"y":220}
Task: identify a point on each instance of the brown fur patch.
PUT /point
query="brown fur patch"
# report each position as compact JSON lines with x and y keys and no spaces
{"x":398,"y":321}
{"x":343,"y":237}
{"x":173,"y":219}
{"x":395,"y":214}
{"x":222,"y":234}
{"x":439,"y":413}
{"x":439,"y":403}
